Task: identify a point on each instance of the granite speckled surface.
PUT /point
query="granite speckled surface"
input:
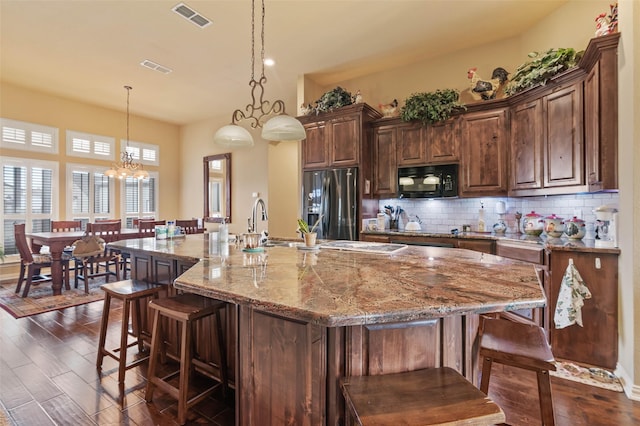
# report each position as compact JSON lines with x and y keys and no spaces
{"x":560,"y":244}
{"x":339,"y":288}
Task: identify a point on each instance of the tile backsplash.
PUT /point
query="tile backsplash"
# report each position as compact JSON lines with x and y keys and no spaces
{"x":443,"y":215}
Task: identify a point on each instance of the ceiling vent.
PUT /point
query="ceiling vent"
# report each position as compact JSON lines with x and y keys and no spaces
{"x":188,"y":13}
{"x":156,"y":67}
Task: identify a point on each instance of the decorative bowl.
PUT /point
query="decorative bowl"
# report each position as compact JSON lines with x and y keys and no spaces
{"x":533,"y":224}
{"x":554,"y":226}
{"x":575,"y":228}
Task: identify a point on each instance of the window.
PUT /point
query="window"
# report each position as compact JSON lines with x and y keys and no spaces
{"x":28,"y":136}
{"x":90,"y":146}
{"x":89,"y":193}
{"x":29,"y":195}
{"x":139,"y":199}
{"x":142,"y":152}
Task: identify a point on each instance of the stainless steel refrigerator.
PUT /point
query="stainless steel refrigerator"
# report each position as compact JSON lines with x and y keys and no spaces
{"x":333,"y":195}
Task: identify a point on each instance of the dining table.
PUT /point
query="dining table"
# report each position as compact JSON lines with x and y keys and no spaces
{"x":57,"y":242}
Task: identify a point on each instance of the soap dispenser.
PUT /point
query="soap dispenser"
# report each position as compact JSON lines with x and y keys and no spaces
{"x":481,"y":226}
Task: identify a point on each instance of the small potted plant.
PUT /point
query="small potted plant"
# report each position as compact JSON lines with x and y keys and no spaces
{"x":308,"y":234}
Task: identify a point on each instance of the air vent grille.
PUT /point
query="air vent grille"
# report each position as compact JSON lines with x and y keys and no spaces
{"x":156,"y":67}
{"x":191,"y":15}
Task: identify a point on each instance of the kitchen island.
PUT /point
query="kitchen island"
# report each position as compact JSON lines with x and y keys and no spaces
{"x":304,"y":318}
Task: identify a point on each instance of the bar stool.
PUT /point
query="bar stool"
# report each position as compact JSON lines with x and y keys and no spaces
{"x":523,"y":346}
{"x":187,"y":309}
{"x":433,"y":396}
{"x":129,"y":292}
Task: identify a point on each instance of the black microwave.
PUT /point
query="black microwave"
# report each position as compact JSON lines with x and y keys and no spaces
{"x":439,"y":181}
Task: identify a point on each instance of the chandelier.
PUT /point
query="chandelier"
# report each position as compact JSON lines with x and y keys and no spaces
{"x":127,"y":166}
{"x":281,"y":127}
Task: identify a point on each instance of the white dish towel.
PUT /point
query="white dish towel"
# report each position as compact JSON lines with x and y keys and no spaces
{"x":573,"y":291}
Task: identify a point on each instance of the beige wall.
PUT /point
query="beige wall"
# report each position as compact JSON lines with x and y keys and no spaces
{"x":284,"y":189}
{"x":19,"y":103}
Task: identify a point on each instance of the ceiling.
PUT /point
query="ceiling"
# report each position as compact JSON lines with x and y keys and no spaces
{"x":87,"y":50}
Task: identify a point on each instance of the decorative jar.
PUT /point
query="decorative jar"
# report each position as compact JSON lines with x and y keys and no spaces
{"x":554,"y":226}
{"x":533,"y":224}
{"x":575,"y":228}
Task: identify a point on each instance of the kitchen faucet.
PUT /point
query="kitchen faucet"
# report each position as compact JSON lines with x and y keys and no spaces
{"x":253,"y":226}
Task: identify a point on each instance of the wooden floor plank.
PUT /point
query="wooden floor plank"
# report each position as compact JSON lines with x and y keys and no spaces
{"x":64,"y":411}
{"x":82,"y":393}
{"x":37,"y":383}
{"x":30,"y":414}
{"x":12,"y":392}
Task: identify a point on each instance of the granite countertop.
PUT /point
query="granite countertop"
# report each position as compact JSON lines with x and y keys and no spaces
{"x":560,"y":244}
{"x":339,"y":288}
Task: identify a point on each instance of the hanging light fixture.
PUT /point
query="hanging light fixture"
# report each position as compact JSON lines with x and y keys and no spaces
{"x":279,"y":128}
{"x":127,"y":166}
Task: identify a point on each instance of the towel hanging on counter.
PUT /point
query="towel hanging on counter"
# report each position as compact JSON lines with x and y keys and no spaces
{"x":573,"y":291}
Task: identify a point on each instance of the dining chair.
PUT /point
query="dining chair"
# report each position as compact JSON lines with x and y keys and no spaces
{"x":32,"y":263}
{"x":147,"y":227}
{"x":89,"y":267}
{"x":66,"y":225}
{"x":190,"y":226}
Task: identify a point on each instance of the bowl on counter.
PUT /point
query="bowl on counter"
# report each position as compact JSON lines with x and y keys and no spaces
{"x":554,"y":226}
{"x":575,"y":228}
{"x":533,"y":224}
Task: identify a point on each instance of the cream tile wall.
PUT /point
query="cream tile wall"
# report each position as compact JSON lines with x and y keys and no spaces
{"x":442,"y":215}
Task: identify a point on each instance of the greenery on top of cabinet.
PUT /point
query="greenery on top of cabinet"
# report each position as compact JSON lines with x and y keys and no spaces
{"x":333,"y":99}
{"x":542,"y":68}
{"x":431,"y":107}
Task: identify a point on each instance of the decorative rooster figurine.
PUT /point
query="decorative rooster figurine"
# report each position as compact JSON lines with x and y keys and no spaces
{"x":487,"y":89}
{"x":389,"y":110}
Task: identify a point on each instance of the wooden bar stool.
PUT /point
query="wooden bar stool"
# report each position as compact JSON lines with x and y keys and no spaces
{"x":129,"y":292}
{"x":523,"y":346}
{"x":433,"y":396}
{"x":186,"y":309}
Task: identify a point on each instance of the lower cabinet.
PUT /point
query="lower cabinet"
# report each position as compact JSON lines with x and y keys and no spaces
{"x":595,"y":343}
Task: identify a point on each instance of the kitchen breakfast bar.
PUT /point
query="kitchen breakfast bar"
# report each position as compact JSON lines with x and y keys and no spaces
{"x":299,"y":319}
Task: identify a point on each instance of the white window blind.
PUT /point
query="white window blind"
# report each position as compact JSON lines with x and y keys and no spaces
{"x":143,"y":152}
{"x":91,"y":193}
{"x":140,"y":198}
{"x":29,"y":195}
{"x":28,"y":136}
{"x":90,"y":146}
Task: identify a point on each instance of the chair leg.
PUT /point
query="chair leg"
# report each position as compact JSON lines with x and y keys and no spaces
{"x":546,"y":402}
{"x":185,"y":372}
{"x":486,"y":373}
{"x":66,"y":265}
{"x":104,"y":324}
{"x":21,"y":277}
{"x":124,"y":335}
{"x":27,"y":285}
{"x":156,"y":342}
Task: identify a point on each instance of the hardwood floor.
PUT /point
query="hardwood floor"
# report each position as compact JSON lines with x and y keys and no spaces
{"x":48,"y":376}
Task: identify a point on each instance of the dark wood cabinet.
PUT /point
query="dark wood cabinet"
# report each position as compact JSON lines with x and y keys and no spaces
{"x":595,"y":343}
{"x":337,"y":138}
{"x":563,"y":137}
{"x":442,"y":141}
{"x":526,"y":146}
{"x":411,"y":144}
{"x":601,"y":113}
{"x":384,"y":173}
{"x":484,"y":153}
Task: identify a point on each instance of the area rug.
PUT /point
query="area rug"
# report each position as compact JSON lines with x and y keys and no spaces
{"x":592,"y":376}
{"x":41,"y":299}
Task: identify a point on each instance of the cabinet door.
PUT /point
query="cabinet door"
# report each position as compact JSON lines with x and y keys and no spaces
{"x":483,"y":142}
{"x":411,"y":145}
{"x":314,"y":147}
{"x":526,"y":146}
{"x":344,"y":148}
{"x":384,"y":161}
{"x":563,"y":153}
{"x":595,"y":343}
{"x":442,"y":141}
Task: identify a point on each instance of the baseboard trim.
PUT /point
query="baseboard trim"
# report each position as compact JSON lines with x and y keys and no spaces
{"x":631,"y":389}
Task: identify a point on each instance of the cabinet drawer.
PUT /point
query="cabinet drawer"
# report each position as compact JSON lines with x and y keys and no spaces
{"x":525,"y":252}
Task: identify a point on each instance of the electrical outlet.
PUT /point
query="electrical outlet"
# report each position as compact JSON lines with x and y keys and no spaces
{"x":598,"y":264}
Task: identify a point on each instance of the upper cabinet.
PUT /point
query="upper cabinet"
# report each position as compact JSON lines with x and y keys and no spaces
{"x":484,"y":145}
{"x":443,"y":140}
{"x":384,"y":174}
{"x":338,"y":138}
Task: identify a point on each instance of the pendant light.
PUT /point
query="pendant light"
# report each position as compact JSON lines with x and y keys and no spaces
{"x":279,"y":128}
{"x":127,"y":166}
